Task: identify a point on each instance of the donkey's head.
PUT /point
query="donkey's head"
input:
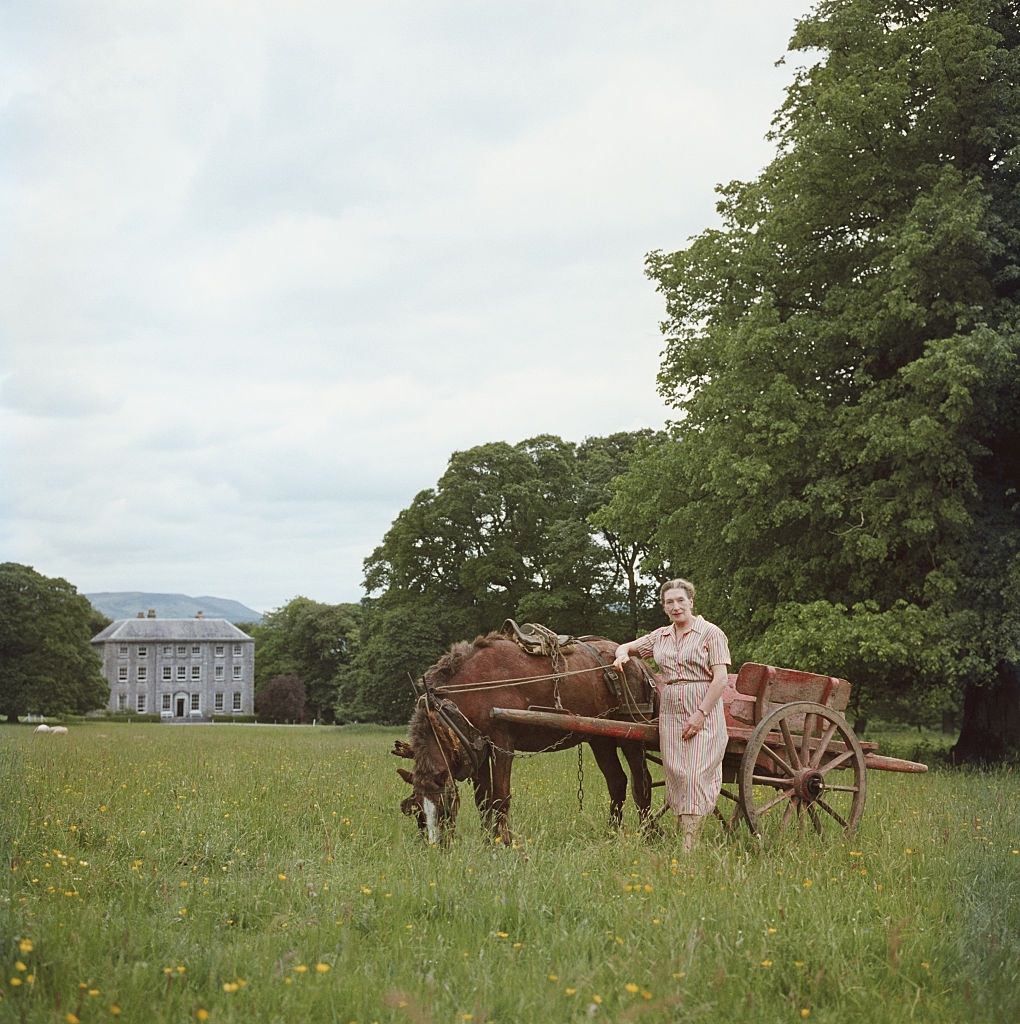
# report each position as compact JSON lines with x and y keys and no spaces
{"x":434,"y":800}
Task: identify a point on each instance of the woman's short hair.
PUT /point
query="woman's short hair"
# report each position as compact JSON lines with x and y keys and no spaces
{"x":676,"y":585}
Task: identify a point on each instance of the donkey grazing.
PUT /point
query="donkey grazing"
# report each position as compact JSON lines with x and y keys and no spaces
{"x":452,"y":736}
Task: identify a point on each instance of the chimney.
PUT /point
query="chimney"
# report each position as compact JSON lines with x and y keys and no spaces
{"x":199,"y":615}
{"x":140,"y":615}
{"x":152,"y":613}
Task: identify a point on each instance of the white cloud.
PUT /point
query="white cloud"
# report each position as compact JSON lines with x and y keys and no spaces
{"x":271,"y":264}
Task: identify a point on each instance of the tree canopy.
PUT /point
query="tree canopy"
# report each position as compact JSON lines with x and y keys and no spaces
{"x":47,"y":664}
{"x":842,"y":354}
{"x":310,"y":641}
{"x":508,"y":531}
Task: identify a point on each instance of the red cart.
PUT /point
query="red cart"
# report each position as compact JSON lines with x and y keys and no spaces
{"x":791,"y":757}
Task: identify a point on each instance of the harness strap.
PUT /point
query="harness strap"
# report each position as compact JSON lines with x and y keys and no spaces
{"x":474,"y":744}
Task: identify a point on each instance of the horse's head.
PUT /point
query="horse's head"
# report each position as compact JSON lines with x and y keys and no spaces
{"x":435,"y":799}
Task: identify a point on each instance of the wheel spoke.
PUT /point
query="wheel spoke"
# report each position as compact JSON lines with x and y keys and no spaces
{"x":765,"y":808}
{"x":770,"y":780}
{"x":829,"y":810}
{"x":787,"y":815}
{"x":805,"y":739}
{"x":769,"y":752}
{"x":814,"y":819}
{"x":842,"y":789}
{"x":823,"y":745}
{"x":791,"y":747}
{"x":836,"y":762}
{"x":729,"y":796}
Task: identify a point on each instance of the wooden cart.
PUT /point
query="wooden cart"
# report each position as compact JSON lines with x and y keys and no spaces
{"x":791,"y":755}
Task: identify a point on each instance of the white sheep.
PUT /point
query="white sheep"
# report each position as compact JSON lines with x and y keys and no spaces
{"x":59,"y":730}
{"x":42,"y":728}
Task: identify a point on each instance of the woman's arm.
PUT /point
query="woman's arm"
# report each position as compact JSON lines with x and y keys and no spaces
{"x":696,"y":722}
{"x":623,"y":653}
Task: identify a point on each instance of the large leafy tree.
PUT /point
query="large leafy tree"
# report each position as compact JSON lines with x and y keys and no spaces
{"x":47,"y":665}
{"x":502,"y":534}
{"x":310,"y":641}
{"x":842,"y":352}
{"x":508,"y":531}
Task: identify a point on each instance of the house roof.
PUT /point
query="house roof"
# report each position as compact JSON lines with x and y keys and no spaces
{"x":169,"y":630}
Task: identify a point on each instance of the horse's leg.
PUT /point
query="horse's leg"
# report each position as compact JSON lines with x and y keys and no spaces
{"x":482,"y":783}
{"x":604,"y":750}
{"x":499,"y":797}
{"x":640,"y":777}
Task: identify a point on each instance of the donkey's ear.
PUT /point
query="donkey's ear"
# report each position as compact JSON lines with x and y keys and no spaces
{"x":406,"y":776}
{"x":402,"y":749}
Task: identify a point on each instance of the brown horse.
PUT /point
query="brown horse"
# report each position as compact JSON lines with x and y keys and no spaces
{"x":495,"y":672}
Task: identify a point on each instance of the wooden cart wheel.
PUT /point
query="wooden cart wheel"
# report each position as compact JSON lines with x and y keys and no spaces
{"x":802,"y":764}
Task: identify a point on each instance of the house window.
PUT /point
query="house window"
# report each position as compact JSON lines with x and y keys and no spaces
{"x":237,"y":671}
{"x":218,"y":702}
{"x":122,"y":673}
{"x":122,"y":651}
{"x":140,"y":702}
{"x":181,"y":650}
{"x":237,"y":702}
{"x":194,"y":702}
{"x":196,"y":650}
{"x":219,"y":671}
{"x":168,"y":673}
{"x":196,"y":672}
{"x":220,"y":650}
{"x":182,"y":671}
{"x":143,"y":673}
{"x":121,"y":701}
{"x":166,"y":702}
{"x":143,"y":651}
{"x":168,"y":649}
{"x":237,"y":650}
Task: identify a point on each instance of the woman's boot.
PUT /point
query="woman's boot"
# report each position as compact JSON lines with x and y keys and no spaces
{"x":689,"y":825}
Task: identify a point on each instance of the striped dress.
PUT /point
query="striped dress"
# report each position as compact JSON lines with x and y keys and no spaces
{"x":693,"y":767}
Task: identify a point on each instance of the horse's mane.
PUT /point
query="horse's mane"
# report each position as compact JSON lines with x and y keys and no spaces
{"x":456,"y":657}
{"x":420,"y":730}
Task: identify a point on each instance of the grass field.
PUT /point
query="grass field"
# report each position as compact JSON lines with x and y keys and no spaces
{"x":258,"y":874}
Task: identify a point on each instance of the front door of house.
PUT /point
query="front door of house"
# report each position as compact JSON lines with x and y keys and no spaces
{"x":180,"y":707}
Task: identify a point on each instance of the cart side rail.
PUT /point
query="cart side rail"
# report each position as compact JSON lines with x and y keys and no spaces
{"x":771,"y":686}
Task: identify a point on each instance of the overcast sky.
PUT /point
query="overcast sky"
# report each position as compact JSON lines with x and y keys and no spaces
{"x":267,"y":264}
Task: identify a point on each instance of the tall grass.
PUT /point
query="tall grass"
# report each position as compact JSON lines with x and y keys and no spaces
{"x":233,"y":873}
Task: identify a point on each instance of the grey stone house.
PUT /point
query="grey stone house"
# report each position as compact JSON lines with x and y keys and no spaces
{"x":184,"y":670}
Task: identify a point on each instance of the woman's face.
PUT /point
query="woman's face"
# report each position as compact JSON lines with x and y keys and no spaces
{"x":677,"y":604}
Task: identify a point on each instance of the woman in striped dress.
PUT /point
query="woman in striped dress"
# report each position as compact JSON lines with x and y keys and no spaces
{"x":693,"y":656}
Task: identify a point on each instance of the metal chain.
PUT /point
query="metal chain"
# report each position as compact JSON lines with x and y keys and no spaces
{"x":580,"y":778}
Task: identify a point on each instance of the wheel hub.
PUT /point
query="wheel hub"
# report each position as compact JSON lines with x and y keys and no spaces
{"x":808,"y":785}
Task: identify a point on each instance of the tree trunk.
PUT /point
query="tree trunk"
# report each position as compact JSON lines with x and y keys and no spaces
{"x":990,"y":733}
{"x":632,"y":599}
{"x":12,"y":709}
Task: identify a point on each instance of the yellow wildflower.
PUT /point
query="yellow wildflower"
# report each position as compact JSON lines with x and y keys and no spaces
{"x":322,"y":968}
{"x":631,"y":987}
